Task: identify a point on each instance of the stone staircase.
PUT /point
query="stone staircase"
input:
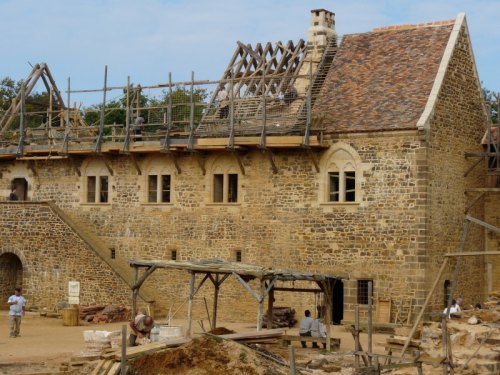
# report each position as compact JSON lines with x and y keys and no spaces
{"x":119,"y":265}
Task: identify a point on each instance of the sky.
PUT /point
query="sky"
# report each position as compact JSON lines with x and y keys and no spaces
{"x":147,"y":39}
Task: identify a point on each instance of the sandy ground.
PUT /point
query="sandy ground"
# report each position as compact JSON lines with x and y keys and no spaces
{"x":45,"y":341}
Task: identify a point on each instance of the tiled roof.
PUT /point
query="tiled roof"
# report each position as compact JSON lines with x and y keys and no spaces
{"x":381,"y":80}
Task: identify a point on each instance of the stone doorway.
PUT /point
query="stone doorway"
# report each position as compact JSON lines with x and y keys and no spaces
{"x":337,"y":301}
{"x":21,"y":188}
{"x":11,"y":276}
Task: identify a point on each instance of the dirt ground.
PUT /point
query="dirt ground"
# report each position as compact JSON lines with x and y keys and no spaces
{"x":45,"y":343}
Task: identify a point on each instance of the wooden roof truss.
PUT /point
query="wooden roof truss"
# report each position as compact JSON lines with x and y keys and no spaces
{"x":252,"y":76}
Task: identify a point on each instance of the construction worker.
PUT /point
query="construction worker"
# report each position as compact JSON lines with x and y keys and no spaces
{"x":141,"y":328}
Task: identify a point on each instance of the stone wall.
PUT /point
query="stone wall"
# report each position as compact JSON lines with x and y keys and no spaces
{"x":51,"y":255}
{"x":456,"y":127}
{"x":281,"y":220}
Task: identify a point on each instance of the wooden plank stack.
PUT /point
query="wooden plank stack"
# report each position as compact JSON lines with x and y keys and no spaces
{"x":104,"y":313}
{"x":110,"y":360}
{"x":282,"y":317}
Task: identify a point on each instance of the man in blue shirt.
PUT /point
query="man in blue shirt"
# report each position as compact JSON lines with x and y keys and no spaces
{"x":17,"y":304}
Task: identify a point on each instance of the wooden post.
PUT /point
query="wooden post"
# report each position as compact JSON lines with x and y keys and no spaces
{"x":444,"y":341}
{"x":68,"y":103}
{"x":190,"y":303}
{"x":126,"y":141}
{"x":291,"y":358}
{"x":427,"y":299}
{"x":370,"y":290}
{"x":123,"y":364}
{"x":327,"y":318}
{"x":134,"y":293}
{"x":260,"y":313}
{"x":216,"y":298}
{"x":51,"y":105}
{"x":270,"y":302}
{"x":356,"y":336}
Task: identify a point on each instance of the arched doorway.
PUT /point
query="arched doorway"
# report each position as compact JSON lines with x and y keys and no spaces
{"x":11,"y":276}
{"x":21,"y":188}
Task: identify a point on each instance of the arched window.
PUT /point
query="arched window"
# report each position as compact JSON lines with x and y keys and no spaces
{"x":341,"y":180}
{"x":159,"y":181}
{"x":224,"y":180}
{"x":96,"y":182}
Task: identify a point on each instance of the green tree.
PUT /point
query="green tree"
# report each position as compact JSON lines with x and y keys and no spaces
{"x":8,"y":91}
{"x":181,"y":103}
{"x":491,"y":99}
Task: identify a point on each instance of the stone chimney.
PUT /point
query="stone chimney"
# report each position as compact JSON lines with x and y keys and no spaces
{"x":322,"y":28}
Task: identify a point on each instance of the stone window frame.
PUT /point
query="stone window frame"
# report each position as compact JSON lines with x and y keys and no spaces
{"x":223,"y":165}
{"x":342,"y":158}
{"x":157,"y":166}
{"x":96,"y":169}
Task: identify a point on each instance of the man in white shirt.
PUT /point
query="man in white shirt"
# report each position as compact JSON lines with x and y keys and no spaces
{"x":305,"y":326}
{"x":454,"y":310}
{"x":318,"y":330}
{"x":17,"y":304}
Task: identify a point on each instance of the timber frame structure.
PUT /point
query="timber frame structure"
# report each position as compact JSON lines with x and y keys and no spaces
{"x":270,"y":94}
{"x":218,"y":271}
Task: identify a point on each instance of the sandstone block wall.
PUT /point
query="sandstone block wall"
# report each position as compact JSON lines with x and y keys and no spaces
{"x":281,"y":220}
{"x":51,"y":255}
{"x":455,"y":128}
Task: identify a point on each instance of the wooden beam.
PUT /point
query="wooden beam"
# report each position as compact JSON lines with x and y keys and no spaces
{"x":472,"y":166}
{"x":482,"y":223}
{"x":474,"y":201}
{"x":143,"y":278}
{"x":32,"y":166}
{"x":270,"y":302}
{"x":201,"y":162}
{"x":247,"y":287}
{"x":135,"y":164}
{"x":301,"y":290}
{"x":108,"y":165}
{"x":190,"y":304}
{"x":240,"y":163}
{"x":313,"y":159}
{"x":175,"y":161}
{"x":270,"y":157}
{"x":472,"y":253}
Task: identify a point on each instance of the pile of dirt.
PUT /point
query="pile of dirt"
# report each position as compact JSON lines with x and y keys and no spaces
{"x":220,"y":331}
{"x":208,"y":356}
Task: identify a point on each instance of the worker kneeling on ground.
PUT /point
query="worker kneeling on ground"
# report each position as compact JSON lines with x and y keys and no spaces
{"x":141,"y":328}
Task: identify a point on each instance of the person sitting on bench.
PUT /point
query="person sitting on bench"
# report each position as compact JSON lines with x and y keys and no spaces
{"x":318,"y":330}
{"x":305,"y":326}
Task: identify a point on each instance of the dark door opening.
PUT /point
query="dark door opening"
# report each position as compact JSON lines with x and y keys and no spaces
{"x":11,"y":276}
{"x":21,"y":188}
{"x":337,"y":301}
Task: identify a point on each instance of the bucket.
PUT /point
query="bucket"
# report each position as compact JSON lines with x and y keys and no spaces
{"x":169,"y":332}
{"x":70,"y":316}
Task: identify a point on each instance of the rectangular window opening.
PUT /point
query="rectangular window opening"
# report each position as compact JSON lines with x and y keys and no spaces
{"x":103,"y":197}
{"x":113,"y":253}
{"x":334,"y":187}
{"x":232,"y":194}
{"x":165,"y":188}
{"x":238,"y":255}
{"x":363,"y":291}
{"x":173,"y":255}
{"x":152,"y":188}
{"x":350,"y":186}
{"x":91,"y":189}
{"x":218,"y":188}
